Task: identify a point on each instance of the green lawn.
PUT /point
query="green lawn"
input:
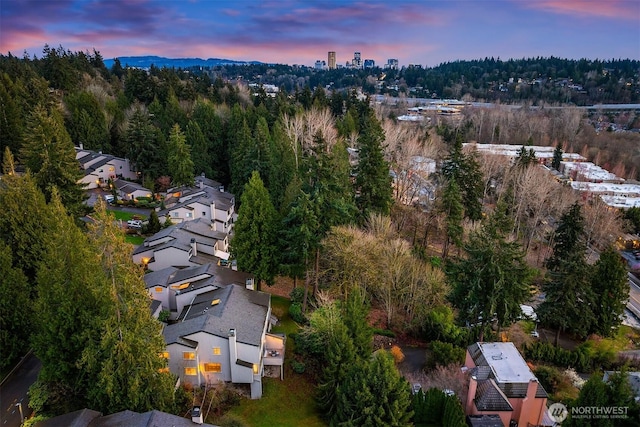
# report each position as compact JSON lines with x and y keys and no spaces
{"x":134,"y":239}
{"x":284,"y":403}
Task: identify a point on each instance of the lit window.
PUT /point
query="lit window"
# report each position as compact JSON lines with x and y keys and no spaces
{"x":212,"y":367}
{"x":164,"y":354}
{"x":216,"y":351}
{"x":164,"y":370}
{"x":255,"y":368}
{"x":188,"y":355}
{"x":190,"y":371}
{"x":180,"y":286}
{"x":159,"y":289}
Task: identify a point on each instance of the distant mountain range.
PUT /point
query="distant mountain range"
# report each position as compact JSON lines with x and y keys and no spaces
{"x":159,"y":61}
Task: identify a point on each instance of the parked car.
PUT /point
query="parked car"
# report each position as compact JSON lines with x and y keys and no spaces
{"x":415,"y":388}
{"x":109,"y":198}
{"x":134,"y":223}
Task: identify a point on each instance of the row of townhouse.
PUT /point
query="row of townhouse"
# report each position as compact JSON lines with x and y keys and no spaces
{"x":99,"y":168}
{"x":219,"y":327}
{"x":206,"y":199}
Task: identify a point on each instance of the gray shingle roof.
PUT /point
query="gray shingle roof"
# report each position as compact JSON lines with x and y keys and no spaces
{"x":239,"y":309}
{"x":80,"y":418}
{"x":159,"y":278}
{"x":489,"y":397}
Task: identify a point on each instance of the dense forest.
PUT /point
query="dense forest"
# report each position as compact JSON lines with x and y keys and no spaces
{"x":327,"y":183}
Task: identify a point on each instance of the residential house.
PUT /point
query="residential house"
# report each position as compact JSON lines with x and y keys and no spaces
{"x":175,"y":288}
{"x":90,"y":418}
{"x":185,"y":244}
{"x":223,"y":335}
{"x":128,"y":190}
{"x":502,"y":384}
{"x":206,"y":199}
{"x":100,"y":168}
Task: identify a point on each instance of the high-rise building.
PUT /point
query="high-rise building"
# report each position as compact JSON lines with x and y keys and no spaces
{"x":392,"y":64}
{"x":320,"y":65}
{"x":357,"y":61}
{"x":369,"y":63}
{"x":332,"y":60}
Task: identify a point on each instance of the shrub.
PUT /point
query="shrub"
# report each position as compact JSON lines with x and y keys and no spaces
{"x":232,"y":420}
{"x":443,"y":354}
{"x":295,"y":312}
{"x":164,"y":316}
{"x":298,"y":367}
{"x":397,"y":354}
{"x":297,"y":295}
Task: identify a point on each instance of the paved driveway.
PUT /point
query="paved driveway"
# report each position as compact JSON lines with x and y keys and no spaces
{"x":13,"y":391}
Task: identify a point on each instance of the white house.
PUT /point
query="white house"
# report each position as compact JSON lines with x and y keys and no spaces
{"x":176,"y":288}
{"x":222,"y":335}
{"x":128,"y":190}
{"x":99,"y":168}
{"x":207,"y":199}
{"x":185,"y":244}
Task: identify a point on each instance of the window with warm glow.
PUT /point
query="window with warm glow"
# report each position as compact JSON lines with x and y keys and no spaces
{"x":212,"y":367}
{"x":159,"y":289}
{"x":164,"y":355}
{"x":255,"y":368}
{"x":163,"y":370}
{"x":188,"y":355}
{"x":190,"y":371}
{"x":216,"y":351}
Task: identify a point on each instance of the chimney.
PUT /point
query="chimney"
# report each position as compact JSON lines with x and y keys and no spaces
{"x":81,"y":146}
{"x":194,"y":249}
{"x":471,"y":394}
{"x":233,"y":351}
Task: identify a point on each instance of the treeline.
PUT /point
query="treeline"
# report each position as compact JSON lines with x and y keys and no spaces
{"x":537,"y":80}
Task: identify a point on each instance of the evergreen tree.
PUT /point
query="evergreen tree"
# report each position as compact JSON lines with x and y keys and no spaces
{"x":86,"y":121}
{"x":154,"y":223}
{"x":373,"y":181}
{"x":557,"y":157}
{"x":453,"y":415}
{"x":23,"y":233}
{"x":494,"y":278}
{"x":254,"y":243}
{"x":566,"y":290}
{"x":50,"y":156}
{"x":70,"y":307}
{"x":375,"y":394}
{"x":465,"y":169}
{"x":199,"y":149}
{"x":451,"y":206}
{"x":15,"y":310}
{"x":145,"y":146}
{"x":240,"y":166}
{"x":611,"y":291}
{"x":355,"y":313}
{"x":180,"y":163}
{"x":123,"y":358}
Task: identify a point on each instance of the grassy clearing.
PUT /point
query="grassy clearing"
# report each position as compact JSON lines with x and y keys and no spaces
{"x":287,"y":403}
{"x":134,"y":239}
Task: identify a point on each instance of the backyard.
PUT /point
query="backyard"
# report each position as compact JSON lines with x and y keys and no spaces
{"x":284,"y":403}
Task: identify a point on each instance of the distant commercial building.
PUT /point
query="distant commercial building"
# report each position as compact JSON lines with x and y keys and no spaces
{"x":369,"y":63}
{"x":332,"y":60}
{"x":320,"y":65}
{"x":392,"y":63}
{"x":356,"y":62}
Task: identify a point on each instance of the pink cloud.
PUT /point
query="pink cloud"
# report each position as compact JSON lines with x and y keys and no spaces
{"x":618,"y":9}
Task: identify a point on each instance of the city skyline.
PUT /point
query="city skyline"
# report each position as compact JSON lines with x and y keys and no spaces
{"x":301,"y":32}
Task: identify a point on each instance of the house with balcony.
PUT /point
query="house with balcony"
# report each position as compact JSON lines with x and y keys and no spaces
{"x":176,"y":288}
{"x":206,"y":199}
{"x":501,"y":383}
{"x":99,"y":168}
{"x":186,"y":244}
{"x":223,"y":335}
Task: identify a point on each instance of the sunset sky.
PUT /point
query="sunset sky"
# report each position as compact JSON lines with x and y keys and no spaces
{"x":426,"y":32}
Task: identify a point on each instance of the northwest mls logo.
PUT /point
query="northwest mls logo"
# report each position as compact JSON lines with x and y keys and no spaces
{"x":558,"y":412}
